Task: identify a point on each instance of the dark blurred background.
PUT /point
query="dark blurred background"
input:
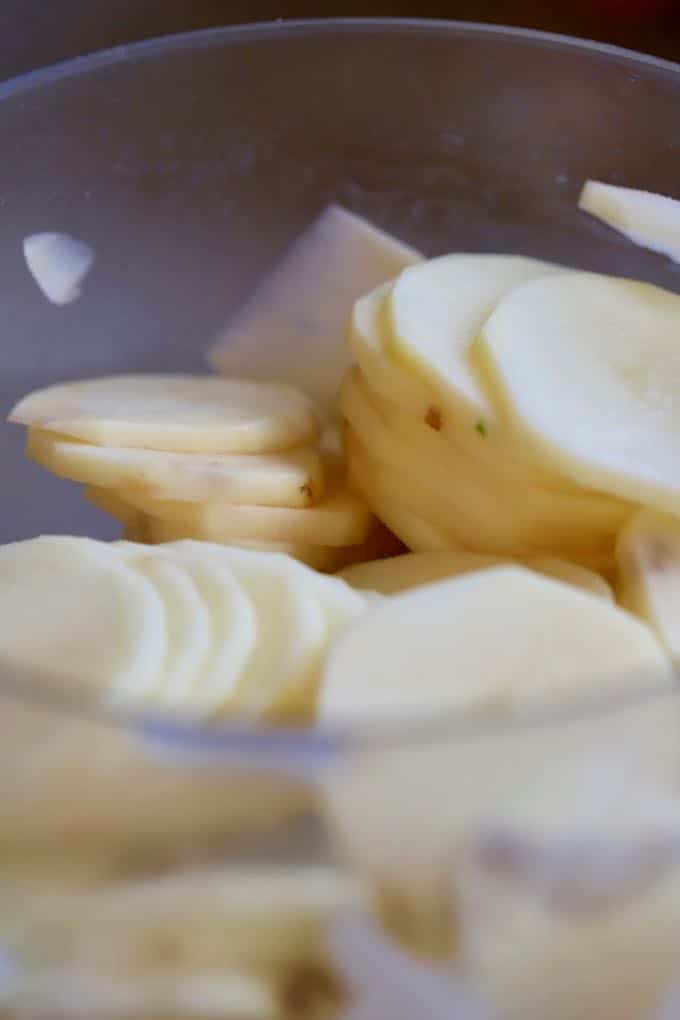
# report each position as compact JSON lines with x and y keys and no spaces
{"x":38,"y":32}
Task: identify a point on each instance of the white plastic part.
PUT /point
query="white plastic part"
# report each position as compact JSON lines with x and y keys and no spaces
{"x":647,"y":219}
{"x":293,"y":326}
{"x":59,"y":264}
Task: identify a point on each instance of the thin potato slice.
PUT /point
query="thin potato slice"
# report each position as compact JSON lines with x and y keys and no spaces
{"x":293,"y":478}
{"x":188,"y":623}
{"x":587,"y":368}
{"x":413,"y":570}
{"x":384,"y":500}
{"x":291,"y":628}
{"x":339,"y":519}
{"x":74,"y":614}
{"x":503,"y":639}
{"x":647,"y":219}
{"x":435,"y":311}
{"x":178,"y":413}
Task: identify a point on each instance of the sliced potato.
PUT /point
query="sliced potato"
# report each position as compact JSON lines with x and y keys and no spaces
{"x":503,"y":639}
{"x":233,"y":629}
{"x":178,"y":413}
{"x":293,"y":326}
{"x":73,"y":614}
{"x":647,"y":219}
{"x":648,"y":555}
{"x":436,"y":309}
{"x":293,"y":478}
{"x":187,"y":623}
{"x":111,"y":503}
{"x":339,"y":519}
{"x":317,"y":556}
{"x":505,"y":515}
{"x":572,"y":573}
{"x":413,"y":570}
{"x":291,"y":628}
{"x":385,"y":500}
{"x":489,"y":442}
{"x":587,"y":367}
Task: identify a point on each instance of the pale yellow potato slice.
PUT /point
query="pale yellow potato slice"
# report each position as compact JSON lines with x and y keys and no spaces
{"x":648,"y":555}
{"x":233,"y":632}
{"x":291,"y":628}
{"x":73,"y":614}
{"x":292,"y":478}
{"x":539,"y":514}
{"x":317,"y":556}
{"x":435,"y":311}
{"x":647,"y":219}
{"x":447,"y":490}
{"x":587,"y":368}
{"x":178,"y":413}
{"x":500,"y":639}
{"x":339,"y":519}
{"x":385,"y":500}
{"x":293,"y":326}
{"x":572,"y":573}
{"x":413,"y":570}
{"x":187,"y":623}
{"x":490,"y":442}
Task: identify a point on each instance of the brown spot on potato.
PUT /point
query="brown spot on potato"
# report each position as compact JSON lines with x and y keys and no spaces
{"x":433,"y":418}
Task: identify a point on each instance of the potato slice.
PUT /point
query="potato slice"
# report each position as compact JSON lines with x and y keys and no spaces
{"x":293,"y":478}
{"x":502,"y":639}
{"x":178,"y":413}
{"x":648,"y":555}
{"x":187,"y":619}
{"x":386,"y":501}
{"x":291,"y":627}
{"x":647,"y":219}
{"x":502,"y":514}
{"x":587,"y":367}
{"x":490,"y":442}
{"x":436,"y":309}
{"x":572,"y":573}
{"x":293,"y":326}
{"x":339,"y":519}
{"x":73,"y":614}
{"x":232,"y":628}
{"x":413,"y":570}
{"x":317,"y":556}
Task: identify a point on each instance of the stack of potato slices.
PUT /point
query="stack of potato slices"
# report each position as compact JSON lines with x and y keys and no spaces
{"x":231,"y":461}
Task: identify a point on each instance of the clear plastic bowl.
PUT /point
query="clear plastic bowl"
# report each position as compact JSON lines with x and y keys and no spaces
{"x":151,"y":871}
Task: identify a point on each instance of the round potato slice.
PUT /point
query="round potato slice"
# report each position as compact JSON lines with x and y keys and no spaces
{"x":111,"y":503}
{"x":178,"y":413}
{"x":386,"y":503}
{"x":503,"y":639}
{"x":232,"y":627}
{"x":413,"y":570}
{"x":291,"y":627}
{"x":293,"y":478}
{"x":339,"y":519}
{"x":73,"y":613}
{"x":587,"y":368}
{"x":435,"y":310}
{"x":572,"y":573}
{"x":490,"y":442}
{"x":498,"y":514}
{"x":188,"y":623}
{"x":317,"y":556}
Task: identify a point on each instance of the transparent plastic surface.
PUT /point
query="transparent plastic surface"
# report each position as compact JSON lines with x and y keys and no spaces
{"x":145,"y":872}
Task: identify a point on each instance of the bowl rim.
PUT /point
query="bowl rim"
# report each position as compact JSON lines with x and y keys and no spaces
{"x":321,"y":745}
{"x":281,"y":29}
